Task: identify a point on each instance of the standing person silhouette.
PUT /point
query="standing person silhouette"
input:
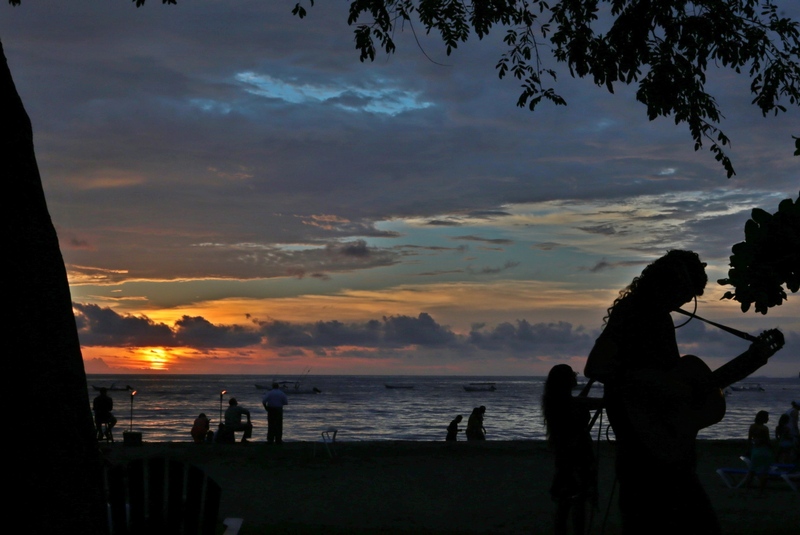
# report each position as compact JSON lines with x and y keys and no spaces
{"x":273,"y":402}
{"x":784,"y":442}
{"x":761,"y":452}
{"x":567,"y":419}
{"x":475,"y":429}
{"x":635,"y":357}
{"x":792,"y":427}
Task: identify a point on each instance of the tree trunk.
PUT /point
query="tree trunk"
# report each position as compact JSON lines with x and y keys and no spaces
{"x":57,"y":484}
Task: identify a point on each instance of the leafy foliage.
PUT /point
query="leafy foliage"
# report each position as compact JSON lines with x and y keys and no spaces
{"x":767,"y":259}
{"x":664,"y":46}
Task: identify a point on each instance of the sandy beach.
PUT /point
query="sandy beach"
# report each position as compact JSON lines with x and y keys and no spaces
{"x":435,"y":487}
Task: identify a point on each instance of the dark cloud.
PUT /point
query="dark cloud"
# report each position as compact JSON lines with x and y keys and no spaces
{"x":220,"y":260}
{"x":104,"y":327}
{"x":605,"y":265}
{"x":546,"y":246}
{"x":356,"y":249}
{"x":200,"y":333}
{"x":559,"y":338}
{"x":459,"y":249}
{"x":76,"y":243}
{"x":488,"y":214}
{"x":442,"y":272}
{"x":495,"y":241}
{"x":391,"y":331}
{"x":441,"y":223}
{"x":606,"y":230}
{"x":422,"y":330}
{"x":600,"y":266}
{"x":494,"y":270}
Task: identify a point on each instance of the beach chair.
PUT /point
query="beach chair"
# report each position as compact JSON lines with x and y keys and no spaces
{"x":163,"y":496}
{"x":734,"y":478}
{"x":791,"y":480}
{"x":328,"y":439}
{"x":104,"y":433}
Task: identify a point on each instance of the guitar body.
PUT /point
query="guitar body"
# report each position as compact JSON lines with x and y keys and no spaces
{"x":667,"y":410}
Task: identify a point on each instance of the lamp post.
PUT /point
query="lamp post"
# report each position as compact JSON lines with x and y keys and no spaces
{"x":133,"y":393}
{"x":220,"y":404}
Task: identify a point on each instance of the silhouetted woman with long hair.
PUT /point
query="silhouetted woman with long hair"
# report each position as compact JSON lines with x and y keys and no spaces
{"x":574,"y":486}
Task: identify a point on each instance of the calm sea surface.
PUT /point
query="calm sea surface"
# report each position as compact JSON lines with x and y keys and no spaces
{"x":362,"y":408}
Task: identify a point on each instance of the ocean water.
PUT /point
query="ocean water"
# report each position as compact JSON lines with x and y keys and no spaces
{"x":362,"y":408}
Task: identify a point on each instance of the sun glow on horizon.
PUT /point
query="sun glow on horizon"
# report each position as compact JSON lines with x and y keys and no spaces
{"x":158,"y":358}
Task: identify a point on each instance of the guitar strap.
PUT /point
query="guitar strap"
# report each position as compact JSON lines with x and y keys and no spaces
{"x":735,"y":332}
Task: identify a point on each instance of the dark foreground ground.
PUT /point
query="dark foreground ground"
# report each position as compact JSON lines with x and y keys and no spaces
{"x":435,"y":487}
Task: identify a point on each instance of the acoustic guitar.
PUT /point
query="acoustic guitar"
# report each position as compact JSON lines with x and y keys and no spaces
{"x":667,"y":410}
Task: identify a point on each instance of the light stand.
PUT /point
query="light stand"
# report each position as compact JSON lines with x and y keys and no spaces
{"x":129,"y":438}
{"x":131,"y":425}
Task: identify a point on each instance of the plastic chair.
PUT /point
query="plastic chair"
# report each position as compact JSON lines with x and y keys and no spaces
{"x":786,"y":472}
{"x":791,"y":479}
{"x":329,"y":440}
{"x":104,"y":433}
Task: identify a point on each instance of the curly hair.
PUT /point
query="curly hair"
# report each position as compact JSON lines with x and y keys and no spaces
{"x":677,"y":271}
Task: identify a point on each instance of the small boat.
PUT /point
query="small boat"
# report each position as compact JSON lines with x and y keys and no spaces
{"x":747,"y":387}
{"x":480,"y":387}
{"x":290,"y":387}
{"x":113,"y":388}
{"x":398,"y":385}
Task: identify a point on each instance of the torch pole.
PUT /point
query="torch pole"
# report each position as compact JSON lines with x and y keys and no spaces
{"x":131,"y":424}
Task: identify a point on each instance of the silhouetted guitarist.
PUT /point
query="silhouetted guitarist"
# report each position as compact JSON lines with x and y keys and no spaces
{"x":656,"y":400}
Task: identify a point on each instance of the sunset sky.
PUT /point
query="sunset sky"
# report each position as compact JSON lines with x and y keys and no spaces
{"x":234,"y":192}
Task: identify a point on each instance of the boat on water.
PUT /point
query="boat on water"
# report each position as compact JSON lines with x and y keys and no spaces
{"x":113,"y":388}
{"x":290,"y":387}
{"x":398,"y":385}
{"x":480,"y":387}
{"x":747,"y":387}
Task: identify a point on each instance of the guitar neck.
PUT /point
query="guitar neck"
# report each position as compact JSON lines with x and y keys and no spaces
{"x":749,"y":361}
{"x":737,"y":369}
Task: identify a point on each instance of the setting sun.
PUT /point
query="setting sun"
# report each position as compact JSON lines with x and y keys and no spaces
{"x":156,"y":358}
